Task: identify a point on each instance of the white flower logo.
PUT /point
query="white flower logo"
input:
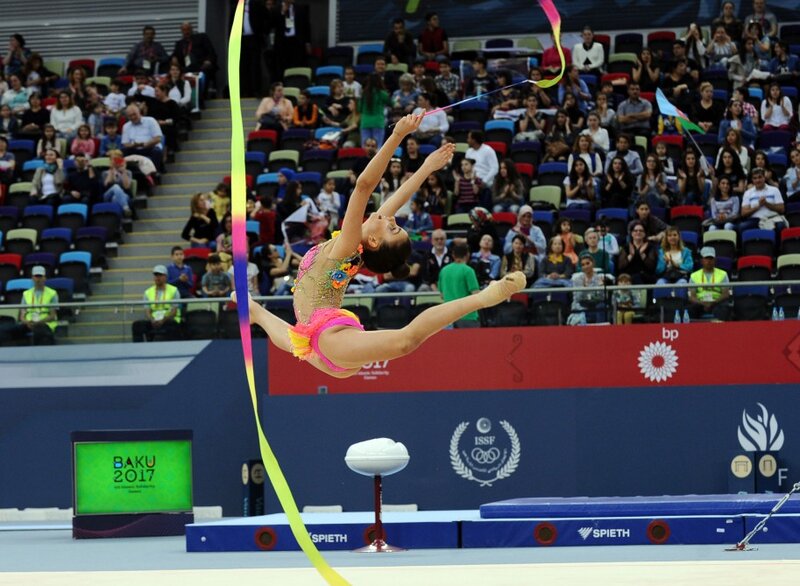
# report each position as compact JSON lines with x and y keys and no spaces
{"x":658,"y":362}
{"x":761,"y":433}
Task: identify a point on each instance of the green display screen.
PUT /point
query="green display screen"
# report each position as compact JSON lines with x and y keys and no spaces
{"x":118,"y":477}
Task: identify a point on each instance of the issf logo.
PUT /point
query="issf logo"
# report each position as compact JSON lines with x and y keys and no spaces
{"x":140,"y":468}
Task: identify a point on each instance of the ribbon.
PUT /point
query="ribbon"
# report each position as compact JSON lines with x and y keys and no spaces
{"x":240,"y":255}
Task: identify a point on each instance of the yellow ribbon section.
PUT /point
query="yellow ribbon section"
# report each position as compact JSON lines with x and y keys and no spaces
{"x":555,"y":22}
{"x":238,"y":195}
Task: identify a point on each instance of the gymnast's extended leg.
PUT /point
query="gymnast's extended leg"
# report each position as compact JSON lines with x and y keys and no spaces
{"x":276,"y":328}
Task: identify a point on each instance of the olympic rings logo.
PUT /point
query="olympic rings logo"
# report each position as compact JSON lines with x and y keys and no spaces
{"x":489,"y":456}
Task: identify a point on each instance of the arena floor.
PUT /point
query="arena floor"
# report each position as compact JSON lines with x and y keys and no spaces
{"x":45,"y":557}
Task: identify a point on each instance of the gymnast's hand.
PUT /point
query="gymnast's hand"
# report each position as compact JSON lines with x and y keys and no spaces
{"x":439,"y":158}
{"x":408,"y":124}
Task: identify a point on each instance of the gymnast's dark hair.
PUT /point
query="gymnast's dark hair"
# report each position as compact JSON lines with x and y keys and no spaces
{"x":389,"y":258}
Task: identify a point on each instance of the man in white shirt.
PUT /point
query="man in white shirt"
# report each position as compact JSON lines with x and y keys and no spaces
{"x":486,"y":165}
{"x":588,"y":56}
{"x":141,"y":135}
{"x":433,"y":126}
{"x":762,"y":205}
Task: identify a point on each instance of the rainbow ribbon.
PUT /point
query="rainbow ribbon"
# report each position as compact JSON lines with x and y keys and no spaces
{"x":240,"y":255}
{"x":555,"y":23}
{"x":240,"y":259}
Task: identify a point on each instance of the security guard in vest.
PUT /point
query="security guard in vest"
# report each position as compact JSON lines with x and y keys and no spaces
{"x":711,"y":298}
{"x":38,"y":318}
{"x":163,"y":319}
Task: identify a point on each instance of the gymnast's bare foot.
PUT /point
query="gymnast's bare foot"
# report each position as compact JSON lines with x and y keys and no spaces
{"x":499,"y":291}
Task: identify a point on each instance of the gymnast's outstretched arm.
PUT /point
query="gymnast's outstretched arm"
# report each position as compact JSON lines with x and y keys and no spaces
{"x":435,"y":161}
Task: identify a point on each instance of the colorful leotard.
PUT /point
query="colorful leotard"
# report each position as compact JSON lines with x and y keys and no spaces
{"x":318,"y":294}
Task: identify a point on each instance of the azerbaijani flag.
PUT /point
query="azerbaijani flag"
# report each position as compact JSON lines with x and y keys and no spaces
{"x":667,"y":109}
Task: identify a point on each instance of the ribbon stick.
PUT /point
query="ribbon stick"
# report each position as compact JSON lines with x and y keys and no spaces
{"x":555,"y":23}
{"x":240,"y":256}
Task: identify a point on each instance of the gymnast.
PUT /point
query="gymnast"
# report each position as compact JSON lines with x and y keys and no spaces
{"x":331,"y":338}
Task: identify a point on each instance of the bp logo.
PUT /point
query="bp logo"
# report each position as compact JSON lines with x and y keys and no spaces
{"x":484,"y":457}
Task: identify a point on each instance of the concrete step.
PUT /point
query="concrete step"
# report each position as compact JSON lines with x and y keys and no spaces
{"x":185,"y":177}
{"x":217,"y":165}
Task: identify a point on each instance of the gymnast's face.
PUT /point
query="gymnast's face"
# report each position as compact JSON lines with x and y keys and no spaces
{"x":379,"y":229}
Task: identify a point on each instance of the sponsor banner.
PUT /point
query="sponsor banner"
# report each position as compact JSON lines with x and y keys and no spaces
{"x":568,"y":357}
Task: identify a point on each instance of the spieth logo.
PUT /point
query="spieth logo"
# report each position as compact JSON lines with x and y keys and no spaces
{"x":586,"y":532}
{"x":482,"y":457}
{"x":760,"y":433}
{"x":658,"y":362}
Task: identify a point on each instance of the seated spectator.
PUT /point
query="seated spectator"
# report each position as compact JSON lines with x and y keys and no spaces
{"x":706,"y":112}
{"x":729,"y":165}
{"x":66,"y":117}
{"x":275,"y":112}
{"x":216,"y":282}
{"x":434,"y":195}
{"x":412,"y":158}
{"x":8,"y":123}
{"x":352,"y":88}
{"x":724,"y":207}
{"x":571,"y":241}
{"x":631,"y":157}
{"x":639,"y":256}
{"x":482,"y":81}
{"x":761,"y":161}
{"x":419,"y":224}
{"x":764,"y":18}
{"x":587,"y":306}
{"x":707,"y":300}
{"x":39,"y":315}
{"x":542,"y":96}
{"x":468,"y":187}
{"x":180,"y":90}
{"x":33,"y":119}
{"x":393,"y":178}
{"x":776,"y":109}
{"x":180,"y":275}
{"x":47,"y":185}
{"x":162,"y":318}
{"x":584,"y":149}
{"x":484,"y":262}
{"x":404,"y":99}
{"x":16,"y":96}
{"x":17,"y":55}
{"x":745,"y":66}
{"x":589,"y":56}
{"x":618,"y":184}
{"x":784,"y":67}
{"x":81,"y":182}
{"x":195,"y":53}
{"x":792,"y":177}
{"x":558,"y":138}
{"x":535,"y":242}
{"x":8,"y":164}
{"x":633,"y":114}
{"x":306,"y":113}
{"x":579,"y":186}
{"x":762,"y":205}
{"x":508,"y":98}
{"x":654,"y":227}
{"x":625,"y":300}
{"x":481,"y":224}
{"x":674,"y":259}
{"x":679,"y":53}
{"x":261,"y":211}
{"x":83,"y":142}
{"x":148,"y":54}
{"x":694,"y":184}
{"x":556,"y":268}
{"x":532,"y":122}
{"x":602,"y":258}
{"x":736,"y":119}
{"x":77,"y":87}
{"x":337,"y":105}
{"x":608,"y":117}
{"x":486,"y":165}
{"x":608,"y":241}
{"x":695,"y":49}
{"x":252,"y":277}
{"x":201,"y":227}
{"x":141,"y":88}
{"x":399,"y":44}
{"x":720,"y":48}
{"x":597,"y":135}
{"x":166,"y":112}
{"x":762,"y":46}
{"x":114,"y":102}
{"x":572,"y":83}
{"x":646,"y":71}
{"x":50,"y":140}
{"x":434,"y":126}
{"x":141,"y":135}
{"x":727,"y":18}
{"x":577,"y":120}
{"x":433,"y":39}
{"x":117,"y":183}
{"x":652,"y":184}
{"x":224,"y":246}
{"x":448,"y":82}
{"x":111,"y":140}
{"x":667,"y":163}
{"x":508,"y":191}
{"x":551,"y":60}
{"x":434,"y":260}
{"x":329,"y":202}
{"x":678,"y":86}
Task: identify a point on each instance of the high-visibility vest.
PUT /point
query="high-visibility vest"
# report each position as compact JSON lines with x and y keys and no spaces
{"x":35,"y":312}
{"x":170,"y":293}
{"x":710,"y":293}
